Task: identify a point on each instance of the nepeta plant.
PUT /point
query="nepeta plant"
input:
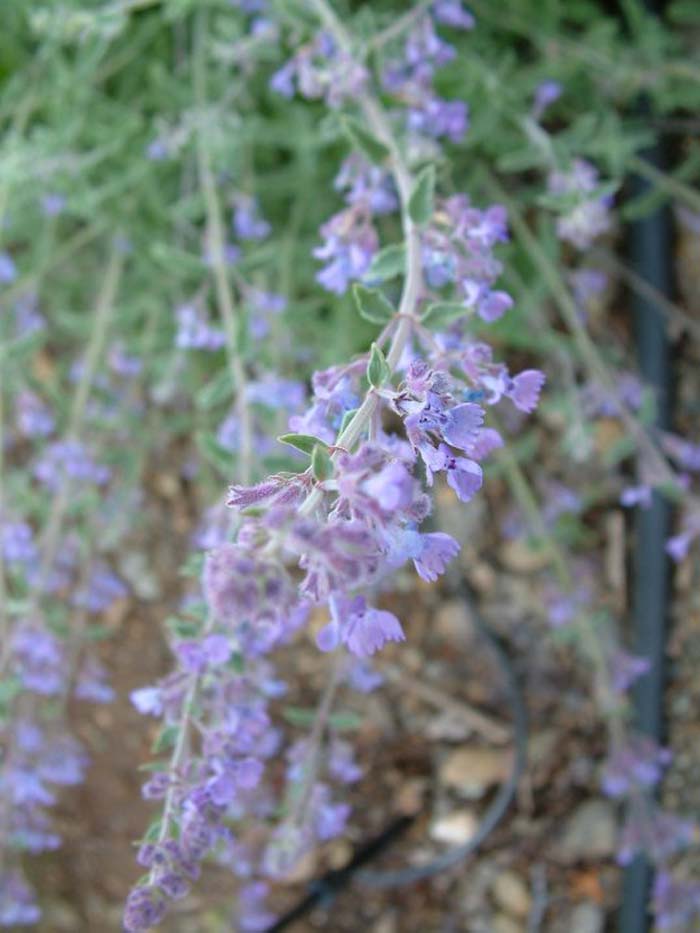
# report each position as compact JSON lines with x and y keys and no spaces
{"x":333,"y":233}
{"x":330,"y":535}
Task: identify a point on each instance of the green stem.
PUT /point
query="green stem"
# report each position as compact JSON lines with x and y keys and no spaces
{"x":103,"y":313}
{"x":216,"y":245}
{"x":667,"y":183}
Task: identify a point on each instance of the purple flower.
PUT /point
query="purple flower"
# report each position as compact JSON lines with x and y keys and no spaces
{"x":39,"y":659}
{"x":639,"y":763}
{"x":437,"y":550}
{"x":18,"y":906}
{"x":102,"y":589}
{"x":677,"y":547}
{"x":248,"y":223}
{"x":18,"y":545}
{"x":636,"y":495}
{"x":147,"y":700}
{"x":253,"y":916}
{"x":590,"y":217}
{"x":194,"y":331}
{"x":525,"y":389}
{"x":626,"y":669}
{"x":368,"y":186}
{"x":587,"y":285}
{"x":341,"y":762}
{"x":92,"y":683}
{"x":282,"y":81}
{"x":329,"y":818}
{"x":123,"y":363}
{"x":8,"y":270}
{"x":650,"y":830}
{"x":430,"y":553}
{"x":362,"y":677}
{"x":69,"y":460}
{"x":487,"y":440}
{"x":157,"y":150}
{"x":276,"y":491}
{"x":276,"y":393}
{"x":392,"y":488}
{"x":676,"y":903}
{"x":360,"y":627}
{"x":63,"y":761}
{"x":191,"y":656}
{"x":350,"y":242}
{"x":452,"y":13}
{"x":33,"y":417}
{"x":494,"y":305}
{"x":464,"y":476}
{"x":461,"y":425}
{"x":28,"y":320}
{"x":217,"y":649}
{"x":145,"y":907}
{"x":437,"y":118}
{"x":173,"y":885}
{"x":458,"y":425}
{"x":52,"y":204}
{"x":545,"y":94}
{"x":319,"y":69}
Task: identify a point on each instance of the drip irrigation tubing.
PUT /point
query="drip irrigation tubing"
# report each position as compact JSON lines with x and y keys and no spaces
{"x":323,"y":890}
{"x":650,"y":256}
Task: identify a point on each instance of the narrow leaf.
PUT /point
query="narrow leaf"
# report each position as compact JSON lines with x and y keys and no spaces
{"x":364,"y":141}
{"x":347,"y":418}
{"x":388,"y":263}
{"x":321,"y":465}
{"x":443,"y":313}
{"x":303,"y":442}
{"x":420,"y":204}
{"x":217,"y":390}
{"x":214,"y":453}
{"x":372,"y":305}
{"x":377,"y":369}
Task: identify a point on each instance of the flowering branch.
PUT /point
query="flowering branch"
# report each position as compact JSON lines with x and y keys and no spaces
{"x":351,"y":518}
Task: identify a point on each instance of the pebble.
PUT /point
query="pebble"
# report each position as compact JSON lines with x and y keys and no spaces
{"x":471,"y":771}
{"x":502,"y":923}
{"x":589,"y":833}
{"x":510,"y":893}
{"x":454,"y":828}
{"x":453,"y":622}
{"x":586,"y":918}
{"x":521,"y":557}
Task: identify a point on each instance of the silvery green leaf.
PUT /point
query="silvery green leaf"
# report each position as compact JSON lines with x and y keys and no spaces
{"x":321,"y":465}
{"x":372,"y":305}
{"x":363,"y":140}
{"x":420,"y":203}
{"x":443,"y":313}
{"x":388,"y":263}
{"x":377,"y":369}
{"x":303,"y":442}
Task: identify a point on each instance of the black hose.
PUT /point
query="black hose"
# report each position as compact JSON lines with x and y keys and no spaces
{"x":324,"y":890}
{"x":651,"y":259}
